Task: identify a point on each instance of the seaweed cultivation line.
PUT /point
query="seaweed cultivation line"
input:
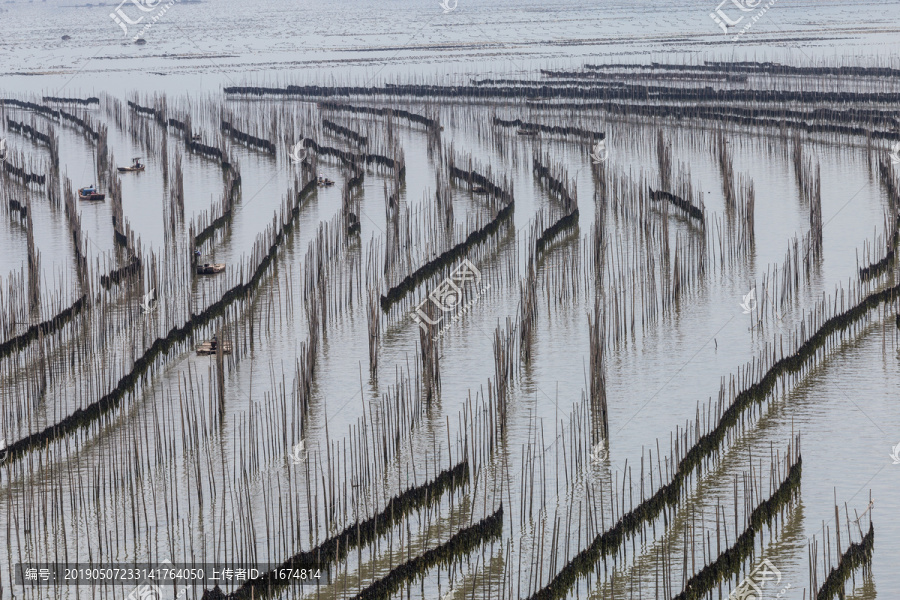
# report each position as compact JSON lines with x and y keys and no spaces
{"x":689,"y":209}
{"x":450,"y":255}
{"x":197,"y":147}
{"x":252,"y":141}
{"x":82,"y":101}
{"x":43,"y":110}
{"x":388,"y":112}
{"x":222,"y":212}
{"x":356,"y":137}
{"x":729,"y":562}
{"x":556,"y":179}
{"x":25,"y":176}
{"x":732,"y":115}
{"x":615,"y":91}
{"x":396,"y":164}
{"x":892,"y":230}
{"x":460,"y":544}
{"x":503,"y":193}
{"x":564,"y":222}
{"x":858,"y":554}
{"x":594,"y":72}
{"x":34,"y":332}
{"x":84,"y":124}
{"x":772,"y":68}
{"x":33,"y":133}
{"x":362,"y":533}
{"x":118,"y":276}
{"x":554,"y":129}
{"x":158,"y":114}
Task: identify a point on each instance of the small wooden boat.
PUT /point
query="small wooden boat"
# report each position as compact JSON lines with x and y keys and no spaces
{"x":208,"y":269}
{"x":90,"y":193}
{"x":325,"y":181}
{"x":136,"y":166}
{"x":480,"y":190}
{"x":523,"y":131}
{"x":212,"y":346}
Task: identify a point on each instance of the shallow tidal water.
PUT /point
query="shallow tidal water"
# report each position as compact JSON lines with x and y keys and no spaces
{"x":845,"y":409}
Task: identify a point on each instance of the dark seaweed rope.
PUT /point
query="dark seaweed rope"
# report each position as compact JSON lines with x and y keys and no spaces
{"x":731,"y":560}
{"x":250,"y":140}
{"x":857,"y":554}
{"x":685,"y":205}
{"x":878,"y":268}
{"x":462,"y":543}
{"x":360,"y":533}
{"x":447,"y":257}
{"x":24,"y":128}
{"x":555,"y":129}
{"x":345,"y":131}
{"x":85,"y":102}
{"x":210,"y":229}
{"x":559,"y":188}
{"x":44,"y":328}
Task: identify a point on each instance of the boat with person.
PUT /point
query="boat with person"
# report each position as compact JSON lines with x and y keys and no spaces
{"x":212,"y":346}
{"x":208,"y":269}
{"x":136,"y":166}
{"x":90,"y":193}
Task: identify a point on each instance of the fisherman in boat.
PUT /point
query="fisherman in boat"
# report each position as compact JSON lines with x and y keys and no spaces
{"x":90,"y":193}
{"x":136,"y":166}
